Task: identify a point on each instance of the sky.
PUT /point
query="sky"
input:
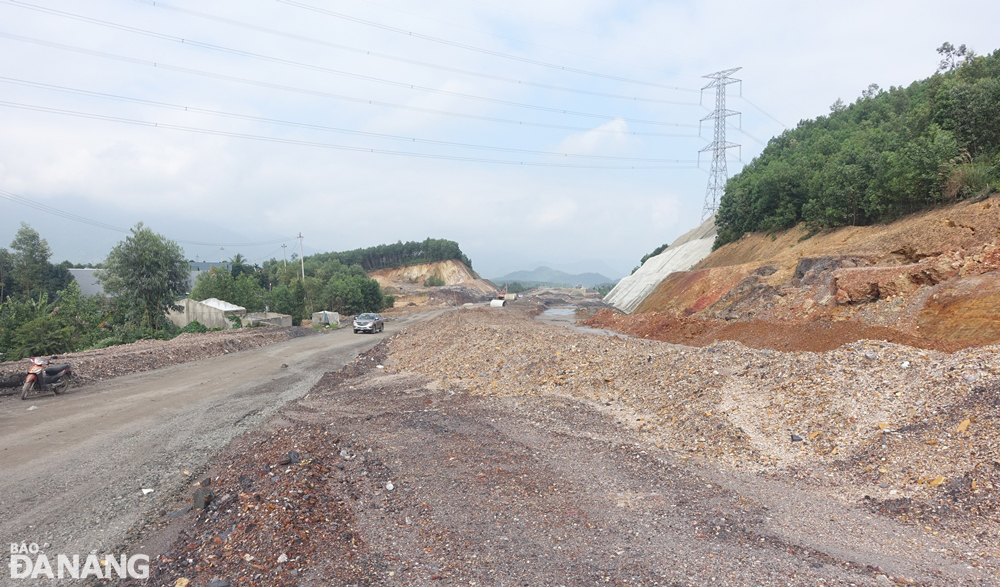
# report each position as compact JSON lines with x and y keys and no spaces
{"x":564,"y":132}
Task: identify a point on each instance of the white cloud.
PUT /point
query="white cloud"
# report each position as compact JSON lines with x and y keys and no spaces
{"x":601,"y":140}
{"x":798,"y":58}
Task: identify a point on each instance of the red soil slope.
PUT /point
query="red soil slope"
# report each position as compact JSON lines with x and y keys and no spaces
{"x":930,"y":280}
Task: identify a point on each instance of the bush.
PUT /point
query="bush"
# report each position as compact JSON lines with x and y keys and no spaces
{"x":965,"y":178}
{"x":195,"y":327}
{"x":433,"y":281}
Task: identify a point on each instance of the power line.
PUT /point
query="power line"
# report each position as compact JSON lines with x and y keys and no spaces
{"x":515,"y":39}
{"x":761,"y":110}
{"x":39,"y":206}
{"x":318,"y":93}
{"x":324,"y":128}
{"x":480,"y":49}
{"x":315,"y":144}
{"x":719,"y":145}
{"x":264,"y":258}
{"x":332,"y":71}
{"x":748,"y":135}
{"x":306,"y":39}
{"x":24,"y":201}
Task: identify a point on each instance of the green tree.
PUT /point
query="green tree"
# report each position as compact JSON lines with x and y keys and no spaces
{"x":81,"y":315}
{"x":6,"y":277}
{"x":892,"y":152}
{"x":215,"y":283}
{"x":30,"y":259}
{"x":14,"y":313}
{"x":145,"y":275}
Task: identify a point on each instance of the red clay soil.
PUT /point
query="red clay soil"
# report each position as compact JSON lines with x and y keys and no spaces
{"x":930,"y":280}
{"x":814,"y":336}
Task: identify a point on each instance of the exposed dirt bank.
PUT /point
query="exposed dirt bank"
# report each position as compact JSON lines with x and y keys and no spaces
{"x":821,"y":335}
{"x":929,"y":280}
{"x":461,"y":284}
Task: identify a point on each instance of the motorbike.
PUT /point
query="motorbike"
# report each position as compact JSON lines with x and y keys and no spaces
{"x":45,"y":377}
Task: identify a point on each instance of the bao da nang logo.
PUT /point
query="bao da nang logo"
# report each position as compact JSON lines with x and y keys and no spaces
{"x":28,"y":561}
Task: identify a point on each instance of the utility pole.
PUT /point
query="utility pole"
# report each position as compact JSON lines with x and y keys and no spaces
{"x":719,"y":173}
{"x":284,"y":256}
{"x":302,"y":259}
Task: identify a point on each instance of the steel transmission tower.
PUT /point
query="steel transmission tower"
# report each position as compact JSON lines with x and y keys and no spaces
{"x":719,"y":173}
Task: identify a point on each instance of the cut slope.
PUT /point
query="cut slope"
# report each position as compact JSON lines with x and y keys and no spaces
{"x":932,"y":280}
{"x":682,"y":254}
{"x":453,"y":273}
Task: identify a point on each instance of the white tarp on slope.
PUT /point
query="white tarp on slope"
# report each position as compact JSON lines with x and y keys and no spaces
{"x":681,"y":255}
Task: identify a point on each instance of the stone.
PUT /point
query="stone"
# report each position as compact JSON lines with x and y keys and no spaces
{"x":219,"y":583}
{"x":202,"y":497}
{"x":180,"y":512}
{"x":294,"y":457}
{"x":796,"y":438}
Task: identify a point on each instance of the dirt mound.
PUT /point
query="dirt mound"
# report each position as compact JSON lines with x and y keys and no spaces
{"x":115,"y":361}
{"x":908,"y":433}
{"x":930,"y":280}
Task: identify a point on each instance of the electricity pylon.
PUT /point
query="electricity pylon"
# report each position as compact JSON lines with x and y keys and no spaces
{"x":719,"y":173}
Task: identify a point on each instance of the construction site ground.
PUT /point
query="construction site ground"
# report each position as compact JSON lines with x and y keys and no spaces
{"x":483,"y":447}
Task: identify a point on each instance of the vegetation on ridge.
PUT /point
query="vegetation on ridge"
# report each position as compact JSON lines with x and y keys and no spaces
{"x":888,"y":154}
{"x":400,"y":254}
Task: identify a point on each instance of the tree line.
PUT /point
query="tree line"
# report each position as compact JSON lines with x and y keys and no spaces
{"x":399,"y":254}
{"x":889,"y":153}
{"x":43,"y":311}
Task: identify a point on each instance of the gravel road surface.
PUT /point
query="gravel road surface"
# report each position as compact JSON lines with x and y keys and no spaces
{"x":73,"y":468}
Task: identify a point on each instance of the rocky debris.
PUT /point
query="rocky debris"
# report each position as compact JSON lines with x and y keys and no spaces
{"x":115,"y":361}
{"x":860,"y":419}
{"x":572,"y":469}
{"x":867,"y":284}
{"x":268,"y":534}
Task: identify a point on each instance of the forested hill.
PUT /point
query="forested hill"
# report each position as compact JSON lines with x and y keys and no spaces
{"x":888,"y":154}
{"x":398,"y":255}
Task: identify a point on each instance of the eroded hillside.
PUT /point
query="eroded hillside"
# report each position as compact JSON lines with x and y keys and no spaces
{"x":931,"y":280}
{"x":410,"y":284}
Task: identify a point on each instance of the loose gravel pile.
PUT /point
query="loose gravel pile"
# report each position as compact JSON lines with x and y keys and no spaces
{"x":115,"y":361}
{"x":910,"y":433}
{"x":485,"y":448}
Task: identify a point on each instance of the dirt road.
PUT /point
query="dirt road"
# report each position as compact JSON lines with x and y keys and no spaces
{"x":73,"y":469}
{"x":403,"y":482}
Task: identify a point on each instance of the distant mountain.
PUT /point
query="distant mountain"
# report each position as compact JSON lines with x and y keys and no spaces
{"x":554,"y":276}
